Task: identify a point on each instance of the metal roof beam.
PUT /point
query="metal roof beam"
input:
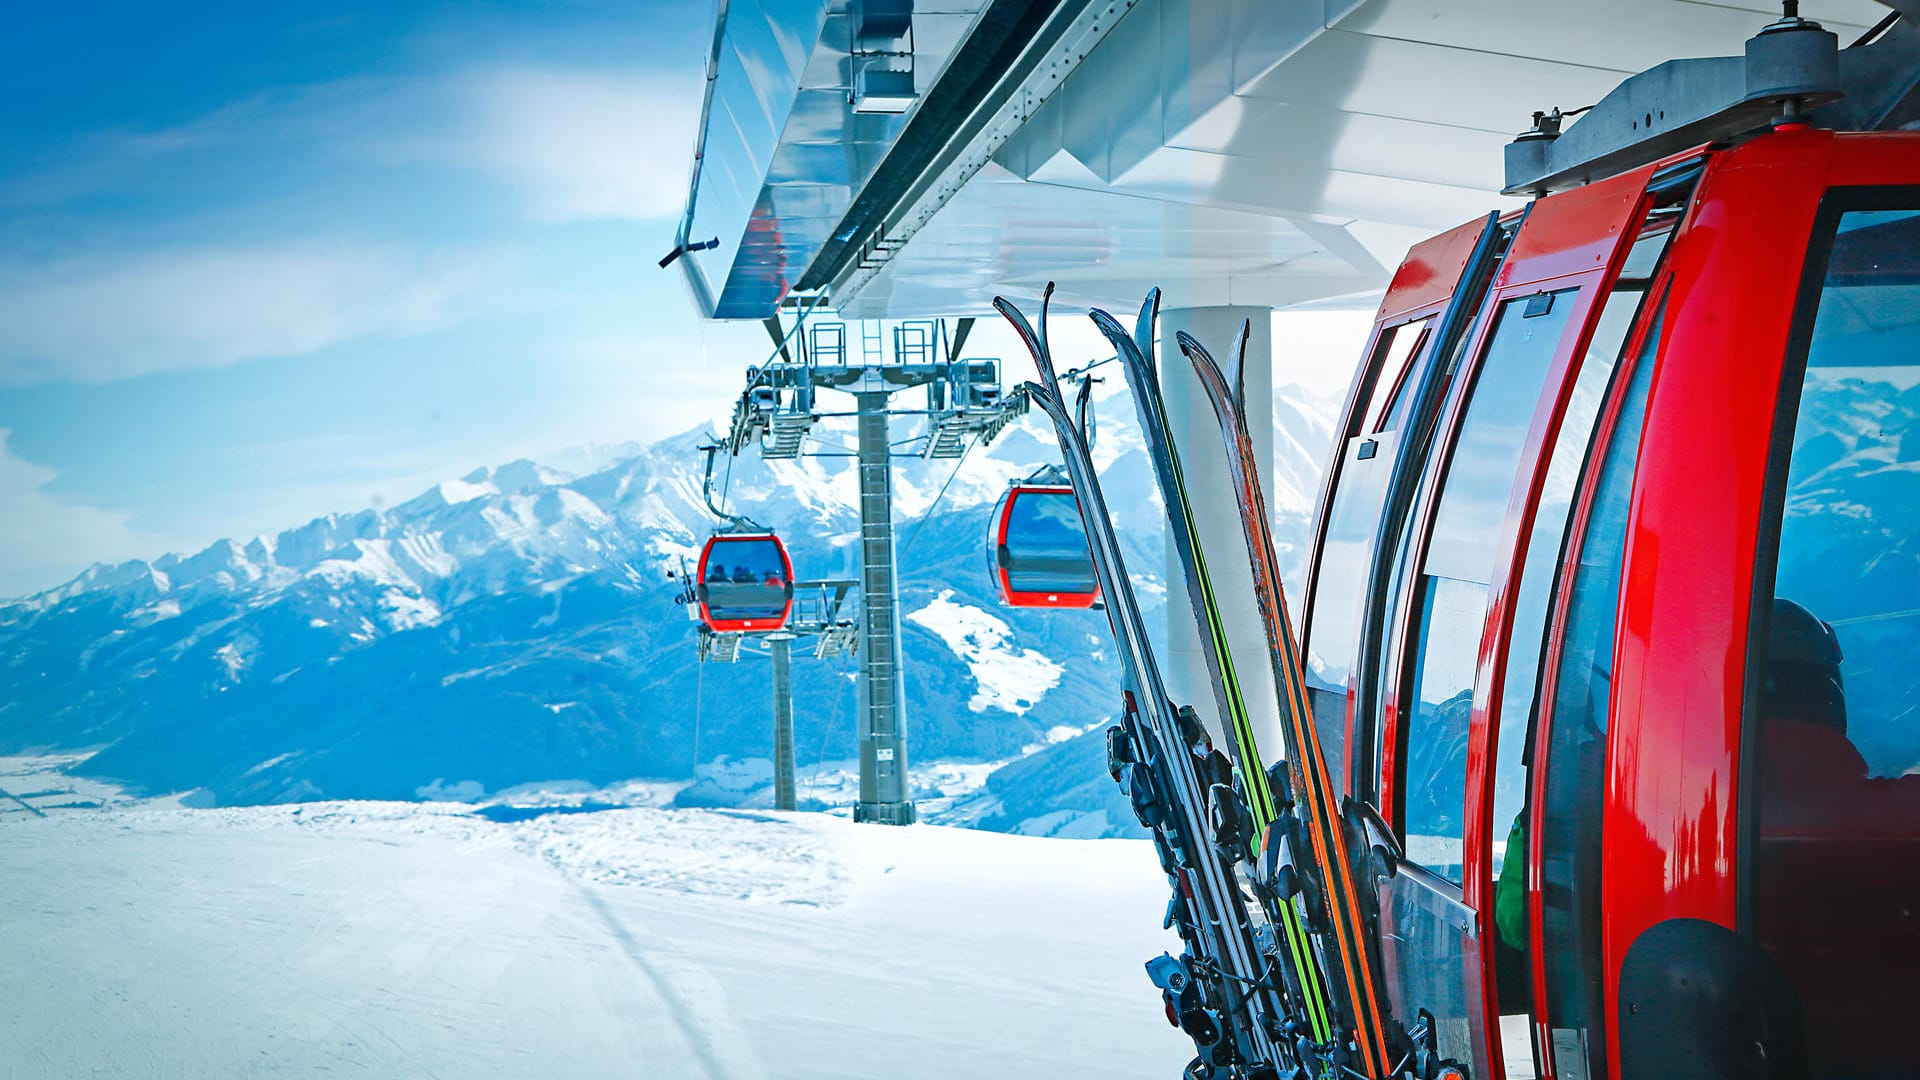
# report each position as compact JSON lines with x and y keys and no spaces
{"x":1002,"y":48}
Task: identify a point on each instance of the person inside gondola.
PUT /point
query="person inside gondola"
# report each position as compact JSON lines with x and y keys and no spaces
{"x":717,"y":572}
{"x":1837,"y":871}
{"x":743,"y":575}
{"x":1813,"y":775}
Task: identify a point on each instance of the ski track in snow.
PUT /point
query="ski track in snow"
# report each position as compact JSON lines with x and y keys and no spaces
{"x":409,"y":939}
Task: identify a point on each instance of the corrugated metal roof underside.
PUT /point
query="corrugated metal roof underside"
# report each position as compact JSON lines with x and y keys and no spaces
{"x":1257,"y":152}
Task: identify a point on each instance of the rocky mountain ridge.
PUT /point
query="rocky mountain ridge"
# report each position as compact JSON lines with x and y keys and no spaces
{"x":517,"y":625}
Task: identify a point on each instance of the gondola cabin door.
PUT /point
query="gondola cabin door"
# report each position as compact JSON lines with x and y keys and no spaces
{"x":1492,"y":355}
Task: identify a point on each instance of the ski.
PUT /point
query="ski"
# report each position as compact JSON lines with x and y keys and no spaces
{"x":1324,"y":819}
{"x":1161,"y":756}
{"x":1137,"y":361}
{"x":1136,"y":354}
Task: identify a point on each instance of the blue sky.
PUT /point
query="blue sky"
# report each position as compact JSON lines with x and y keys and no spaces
{"x":262,"y":262}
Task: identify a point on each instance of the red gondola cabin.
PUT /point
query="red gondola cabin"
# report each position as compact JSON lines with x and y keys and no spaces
{"x":745,"y":582}
{"x":1614,"y":617}
{"x":1040,"y":549}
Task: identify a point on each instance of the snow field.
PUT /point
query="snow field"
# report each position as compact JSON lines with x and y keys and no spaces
{"x":396,"y":940}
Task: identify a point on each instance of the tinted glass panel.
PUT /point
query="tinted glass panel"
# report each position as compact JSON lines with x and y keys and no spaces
{"x":1394,"y":372}
{"x":1838,"y":878}
{"x":1512,"y":750}
{"x":1480,"y":476}
{"x":745,"y":579}
{"x":1341,"y":588}
{"x":1459,"y":564}
{"x":1576,"y":754}
{"x":1346,"y":554}
{"x":1647,"y":248}
{"x":1402,"y":537}
{"x":1436,"y":755}
{"x":1517,"y":705}
{"x":1429,"y":939}
{"x":1046,"y":544}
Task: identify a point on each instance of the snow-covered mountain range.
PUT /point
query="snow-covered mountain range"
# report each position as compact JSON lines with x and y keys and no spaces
{"x":517,"y":625}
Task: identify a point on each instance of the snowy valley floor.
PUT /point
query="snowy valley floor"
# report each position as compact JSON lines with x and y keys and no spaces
{"x":401,"y":940}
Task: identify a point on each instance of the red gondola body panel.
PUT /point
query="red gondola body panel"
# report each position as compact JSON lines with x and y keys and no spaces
{"x":1673,"y":813}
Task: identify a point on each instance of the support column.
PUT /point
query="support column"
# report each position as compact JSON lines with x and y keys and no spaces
{"x":1210,"y":489}
{"x":883,"y":733}
{"x":781,"y":646}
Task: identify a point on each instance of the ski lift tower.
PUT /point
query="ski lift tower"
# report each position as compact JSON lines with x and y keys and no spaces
{"x":817,"y":617}
{"x":963,"y":406}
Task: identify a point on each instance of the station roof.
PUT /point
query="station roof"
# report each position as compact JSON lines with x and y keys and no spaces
{"x":1250,"y":152}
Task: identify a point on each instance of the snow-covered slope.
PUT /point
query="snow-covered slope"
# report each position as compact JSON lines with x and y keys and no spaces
{"x":517,"y":625}
{"x":381,"y":940}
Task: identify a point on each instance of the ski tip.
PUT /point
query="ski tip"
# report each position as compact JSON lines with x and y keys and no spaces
{"x":1035,"y":339}
{"x":1149,"y":315}
{"x":1220,"y":387}
{"x":1239,"y":374}
{"x":1009,"y":311}
{"x":1115,"y":333}
{"x":1143,"y":328}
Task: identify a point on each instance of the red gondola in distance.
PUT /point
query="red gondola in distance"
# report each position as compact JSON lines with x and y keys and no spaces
{"x":1040,"y":549}
{"x":745,"y":582}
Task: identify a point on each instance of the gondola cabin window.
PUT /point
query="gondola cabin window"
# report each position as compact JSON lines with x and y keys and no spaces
{"x":1520,"y":706}
{"x":1835,"y":699}
{"x":1040,"y":549}
{"x":1454,"y":577}
{"x":1573,"y":785}
{"x":1347,"y":551}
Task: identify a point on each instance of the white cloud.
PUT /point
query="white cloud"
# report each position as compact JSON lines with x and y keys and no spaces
{"x":107,"y":317}
{"x":584,"y":145}
{"x":47,"y":540}
{"x":570,"y":145}
{"x":243,"y":137}
{"x":573,"y":144}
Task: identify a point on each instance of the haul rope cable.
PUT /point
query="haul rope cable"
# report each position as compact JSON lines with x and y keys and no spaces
{"x":935,"y":504}
{"x":833,"y":718}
